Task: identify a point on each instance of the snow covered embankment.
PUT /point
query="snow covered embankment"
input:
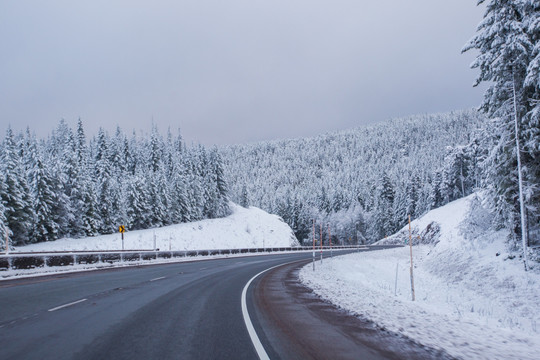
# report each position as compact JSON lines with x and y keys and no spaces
{"x":245,"y":228}
{"x":470,"y":301}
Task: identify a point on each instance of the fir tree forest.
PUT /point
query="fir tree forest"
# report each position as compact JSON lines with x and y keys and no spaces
{"x":67,"y":186}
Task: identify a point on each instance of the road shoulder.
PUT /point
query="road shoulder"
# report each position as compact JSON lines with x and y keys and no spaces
{"x":294,"y":323}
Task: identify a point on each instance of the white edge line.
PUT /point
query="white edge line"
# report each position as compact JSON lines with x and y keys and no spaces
{"x":159,"y":278}
{"x":66,"y":305}
{"x":251,"y":330}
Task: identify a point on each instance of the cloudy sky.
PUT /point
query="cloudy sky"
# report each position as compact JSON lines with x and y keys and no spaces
{"x":232,"y":71}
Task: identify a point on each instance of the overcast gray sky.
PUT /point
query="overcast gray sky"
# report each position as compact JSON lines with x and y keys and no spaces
{"x":232,"y":71}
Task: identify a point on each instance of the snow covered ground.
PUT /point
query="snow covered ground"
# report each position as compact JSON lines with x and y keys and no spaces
{"x":245,"y":228}
{"x":473,"y":298}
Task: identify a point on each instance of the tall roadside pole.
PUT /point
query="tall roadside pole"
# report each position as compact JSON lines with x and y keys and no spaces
{"x":320,"y":237}
{"x":330,"y":241}
{"x":520,"y":180}
{"x":313,"y":244}
{"x":410,"y":246}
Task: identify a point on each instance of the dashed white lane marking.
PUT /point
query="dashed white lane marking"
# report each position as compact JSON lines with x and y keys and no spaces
{"x":159,"y":278}
{"x":251,"y":330}
{"x":66,"y":305}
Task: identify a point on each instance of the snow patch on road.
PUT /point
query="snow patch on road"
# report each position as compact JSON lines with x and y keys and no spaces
{"x":470,"y":302}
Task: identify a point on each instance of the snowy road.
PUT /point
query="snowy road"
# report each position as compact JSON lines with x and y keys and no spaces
{"x":185,"y":310}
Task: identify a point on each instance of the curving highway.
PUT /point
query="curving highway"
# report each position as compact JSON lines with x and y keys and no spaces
{"x":189,"y":310}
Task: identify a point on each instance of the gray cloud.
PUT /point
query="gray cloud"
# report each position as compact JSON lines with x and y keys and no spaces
{"x":233,"y":71}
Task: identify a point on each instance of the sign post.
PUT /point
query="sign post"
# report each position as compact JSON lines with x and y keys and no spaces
{"x":122,"y":230}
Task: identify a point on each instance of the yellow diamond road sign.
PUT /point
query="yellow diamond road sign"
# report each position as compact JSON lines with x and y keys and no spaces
{"x":122,"y":229}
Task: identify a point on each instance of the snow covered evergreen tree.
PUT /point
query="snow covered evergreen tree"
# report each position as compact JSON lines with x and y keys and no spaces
{"x":244,"y":197}
{"x":4,"y":229}
{"x":221,"y":200}
{"x":507,"y":40}
{"x":45,"y":227}
{"x":15,"y":192}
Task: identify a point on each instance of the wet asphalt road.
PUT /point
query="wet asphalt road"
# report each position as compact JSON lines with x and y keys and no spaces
{"x":185,"y":310}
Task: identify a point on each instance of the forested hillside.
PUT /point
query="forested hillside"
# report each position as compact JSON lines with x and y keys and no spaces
{"x":363,"y":182}
{"x":68,"y":186}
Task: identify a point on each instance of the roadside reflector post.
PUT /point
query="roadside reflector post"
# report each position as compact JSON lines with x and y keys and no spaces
{"x":410,"y":246}
{"x":321,"y":241}
{"x":330,"y":241}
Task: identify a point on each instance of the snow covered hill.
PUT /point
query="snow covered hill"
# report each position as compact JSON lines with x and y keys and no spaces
{"x":473,"y":298}
{"x":245,"y":228}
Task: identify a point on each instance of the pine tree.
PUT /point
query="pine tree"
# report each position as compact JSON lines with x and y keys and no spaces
{"x":413,"y":190}
{"x":456,"y":180}
{"x":63,"y":164}
{"x":87,"y":207}
{"x":383,"y":223}
{"x":15,"y":193}
{"x":45,"y":228}
{"x":436,"y":197}
{"x":158,"y":209}
{"x":155,"y":150}
{"x":138,"y":204}
{"x":5,"y":232}
{"x":244,"y":197}
{"x":103,"y":173}
{"x":531,"y":120}
{"x":508,"y":43}
{"x":221,"y":193}
{"x":180,"y":205}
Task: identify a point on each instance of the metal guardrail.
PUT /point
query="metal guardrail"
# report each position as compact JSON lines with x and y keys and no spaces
{"x":31,"y":260}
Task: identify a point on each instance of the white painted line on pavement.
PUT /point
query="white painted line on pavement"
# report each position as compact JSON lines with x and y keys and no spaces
{"x":251,"y":330}
{"x":66,"y":305}
{"x":159,"y":278}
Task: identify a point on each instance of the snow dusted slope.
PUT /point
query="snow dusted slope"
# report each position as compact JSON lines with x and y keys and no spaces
{"x":473,"y":299}
{"x":245,"y":228}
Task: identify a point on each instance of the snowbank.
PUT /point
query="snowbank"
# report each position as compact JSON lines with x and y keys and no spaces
{"x":472,"y":298}
{"x":244,"y":228}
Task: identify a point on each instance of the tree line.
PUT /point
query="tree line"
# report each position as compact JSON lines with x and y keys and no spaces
{"x":67,"y":186}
